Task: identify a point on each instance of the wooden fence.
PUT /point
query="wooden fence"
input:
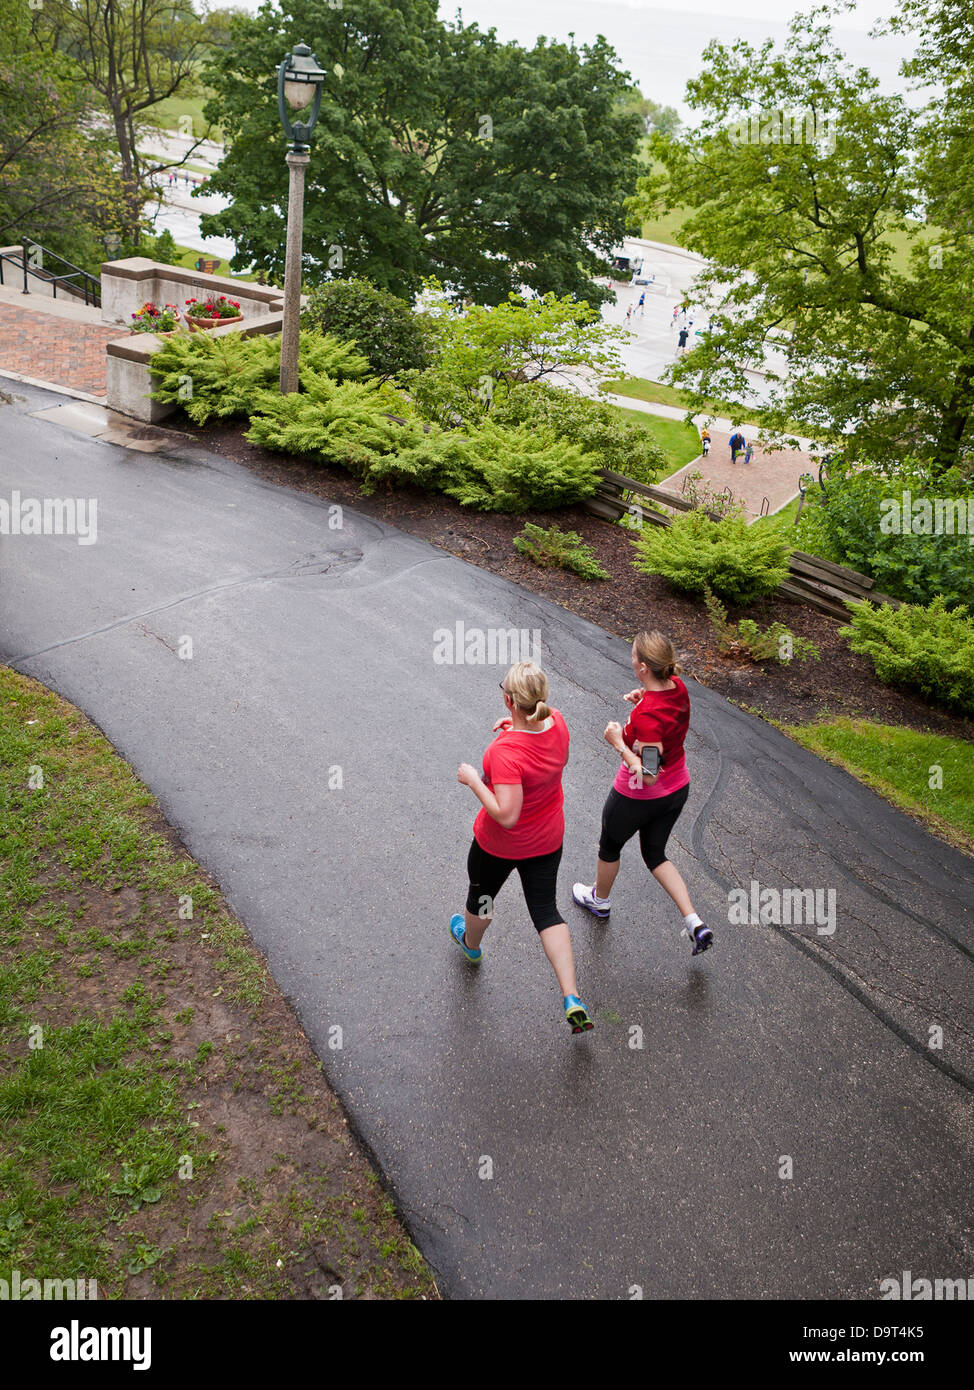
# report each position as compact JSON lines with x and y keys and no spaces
{"x":819,"y":583}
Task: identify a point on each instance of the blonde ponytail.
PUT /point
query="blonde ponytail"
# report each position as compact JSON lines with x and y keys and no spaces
{"x":527,"y":686}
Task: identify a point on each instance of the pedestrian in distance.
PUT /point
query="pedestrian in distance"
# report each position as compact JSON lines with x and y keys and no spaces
{"x":705,"y":441}
{"x":682,"y":341}
{"x":676,"y":315}
{"x":629,"y":314}
{"x":521,"y":825}
{"x":642,"y":303}
{"x":737,"y":445}
{"x":749,"y":452}
{"x":641,"y":801}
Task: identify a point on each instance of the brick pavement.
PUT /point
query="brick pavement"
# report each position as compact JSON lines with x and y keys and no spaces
{"x":59,"y":350}
{"x":771,"y":475}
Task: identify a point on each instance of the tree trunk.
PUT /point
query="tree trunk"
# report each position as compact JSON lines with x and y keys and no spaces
{"x":953,"y":425}
{"x":132,"y":212}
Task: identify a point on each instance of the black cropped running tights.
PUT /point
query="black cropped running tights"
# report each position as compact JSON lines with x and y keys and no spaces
{"x":653,"y":817}
{"x":539,"y":879}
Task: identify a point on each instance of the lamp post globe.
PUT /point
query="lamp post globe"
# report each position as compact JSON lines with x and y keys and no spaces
{"x":300,"y":81}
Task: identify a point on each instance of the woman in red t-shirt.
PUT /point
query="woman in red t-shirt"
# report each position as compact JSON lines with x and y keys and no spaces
{"x":638,"y":802}
{"x":521,"y":826}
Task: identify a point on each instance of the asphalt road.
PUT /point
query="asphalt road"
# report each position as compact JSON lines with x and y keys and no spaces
{"x":611,"y":1165}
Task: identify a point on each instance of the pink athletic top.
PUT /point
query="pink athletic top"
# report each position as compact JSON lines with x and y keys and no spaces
{"x":661,"y":716}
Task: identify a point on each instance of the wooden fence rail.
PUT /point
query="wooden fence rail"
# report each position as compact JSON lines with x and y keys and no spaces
{"x":819,"y":583}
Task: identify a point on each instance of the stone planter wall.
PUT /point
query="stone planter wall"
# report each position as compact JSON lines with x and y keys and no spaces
{"x":126,"y":285}
{"x":129,"y":379}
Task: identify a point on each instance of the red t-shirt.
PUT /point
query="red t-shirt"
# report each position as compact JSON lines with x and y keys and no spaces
{"x":535,"y":762}
{"x":662,"y":716}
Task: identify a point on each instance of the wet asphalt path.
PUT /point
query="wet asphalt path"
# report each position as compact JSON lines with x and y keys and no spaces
{"x":612,"y":1165}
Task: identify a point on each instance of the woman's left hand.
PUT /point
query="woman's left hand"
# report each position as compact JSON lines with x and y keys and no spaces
{"x":467,"y":775}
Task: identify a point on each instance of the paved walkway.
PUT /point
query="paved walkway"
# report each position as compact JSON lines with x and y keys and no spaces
{"x":649,"y":1152}
{"x":55,"y":342}
{"x":771,"y":476}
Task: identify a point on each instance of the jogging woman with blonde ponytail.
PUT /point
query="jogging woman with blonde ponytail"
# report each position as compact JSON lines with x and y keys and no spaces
{"x":521,"y":826}
{"x":644,"y":803}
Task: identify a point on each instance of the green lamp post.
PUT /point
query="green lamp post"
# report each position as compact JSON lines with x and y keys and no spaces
{"x":299,"y":85}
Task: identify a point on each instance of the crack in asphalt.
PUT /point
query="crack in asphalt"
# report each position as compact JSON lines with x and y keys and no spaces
{"x":285,"y":572}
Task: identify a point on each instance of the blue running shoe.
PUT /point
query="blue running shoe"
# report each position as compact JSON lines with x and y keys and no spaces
{"x":576,"y":1014}
{"x":457,"y":932}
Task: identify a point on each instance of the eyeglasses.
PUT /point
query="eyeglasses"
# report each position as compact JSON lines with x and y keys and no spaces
{"x":501,"y":684}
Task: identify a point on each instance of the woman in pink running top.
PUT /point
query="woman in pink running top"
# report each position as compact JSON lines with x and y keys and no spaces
{"x":644,"y":804}
{"x":521,"y":826}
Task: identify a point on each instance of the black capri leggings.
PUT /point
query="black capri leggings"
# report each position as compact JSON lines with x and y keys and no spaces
{"x":539,"y":879}
{"x":653,"y":817}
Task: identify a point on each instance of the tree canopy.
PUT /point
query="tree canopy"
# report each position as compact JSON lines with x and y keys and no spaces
{"x":58,"y":183}
{"x":800,"y":222}
{"x":439,"y":151}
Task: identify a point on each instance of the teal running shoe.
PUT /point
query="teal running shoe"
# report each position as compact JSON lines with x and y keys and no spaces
{"x":577,"y":1015}
{"x":457,"y":932}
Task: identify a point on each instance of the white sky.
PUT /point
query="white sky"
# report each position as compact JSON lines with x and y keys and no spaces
{"x":863,"y":16}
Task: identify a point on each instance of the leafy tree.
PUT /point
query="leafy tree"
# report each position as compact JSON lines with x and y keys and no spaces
{"x":799,"y":233}
{"x":485,"y":351}
{"x":381,"y":325}
{"x":439,"y":151}
{"x":593,"y":425}
{"x":133,"y":53}
{"x":655,"y":117}
{"x":862,"y":521}
{"x":57,"y":180}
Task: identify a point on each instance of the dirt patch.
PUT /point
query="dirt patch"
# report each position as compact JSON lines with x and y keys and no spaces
{"x":840,"y":683}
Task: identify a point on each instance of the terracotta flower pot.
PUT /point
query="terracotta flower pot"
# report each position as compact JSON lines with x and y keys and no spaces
{"x":196,"y":324}
{"x":141,"y":333}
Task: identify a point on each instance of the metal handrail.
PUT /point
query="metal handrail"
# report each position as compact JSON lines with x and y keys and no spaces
{"x":89,"y":283}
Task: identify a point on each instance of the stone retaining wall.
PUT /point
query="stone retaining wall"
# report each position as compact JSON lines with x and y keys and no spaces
{"x":125,"y":287}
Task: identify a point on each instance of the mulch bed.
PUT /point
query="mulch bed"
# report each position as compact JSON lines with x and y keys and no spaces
{"x":841,"y":683}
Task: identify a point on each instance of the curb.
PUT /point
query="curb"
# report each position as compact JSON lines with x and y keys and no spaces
{"x":52,"y":386}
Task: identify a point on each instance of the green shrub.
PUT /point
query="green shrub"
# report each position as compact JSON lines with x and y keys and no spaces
{"x":224,"y":375}
{"x":737,"y":561}
{"x":515,"y":470}
{"x":855,"y":523}
{"x":746,"y":638}
{"x":434,"y":460}
{"x":563,"y":549}
{"x":595,"y":426}
{"x":344,"y":423}
{"x":382,"y":326}
{"x":930,"y":649}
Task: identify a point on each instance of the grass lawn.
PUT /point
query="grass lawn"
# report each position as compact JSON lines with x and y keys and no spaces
{"x":785,"y":518}
{"x":189,"y":255}
{"x":166,"y":1130}
{"x":660,"y":394}
{"x":171,"y":114}
{"x":900,"y":764}
{"x":679,"y":442}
